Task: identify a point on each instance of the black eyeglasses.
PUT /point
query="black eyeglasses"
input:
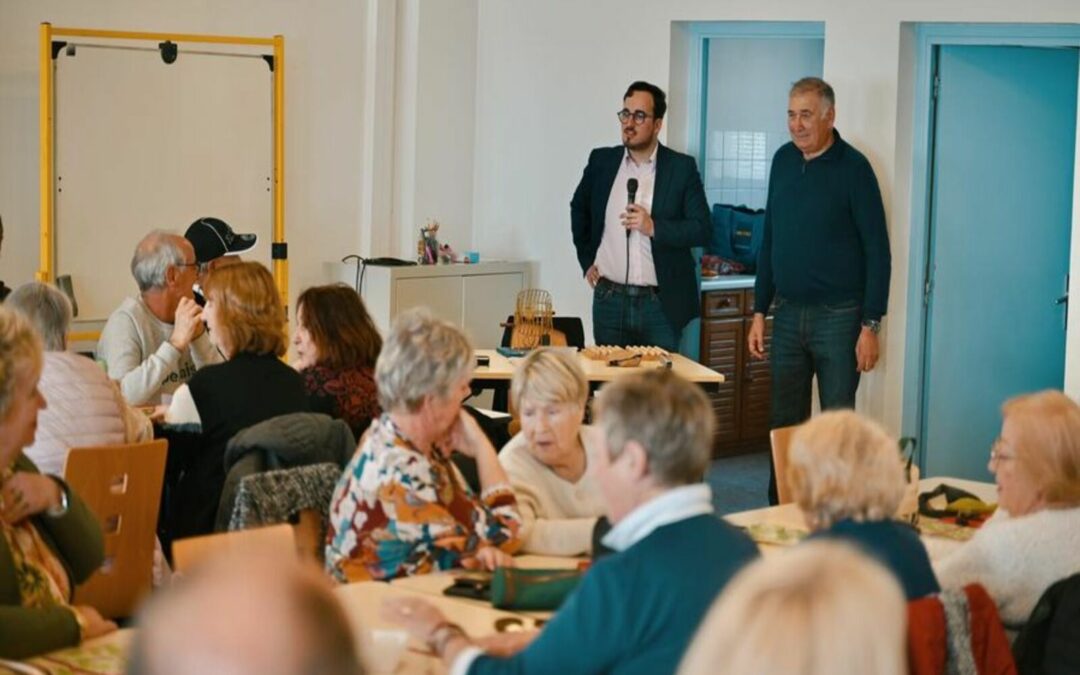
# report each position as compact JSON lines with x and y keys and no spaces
{"x":639,"y":116}
{"x":188,"y":264}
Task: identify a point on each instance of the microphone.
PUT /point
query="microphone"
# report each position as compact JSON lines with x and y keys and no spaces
{"x":631,"y":193}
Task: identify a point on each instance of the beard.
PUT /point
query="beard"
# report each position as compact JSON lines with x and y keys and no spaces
{"x":637,"y":141}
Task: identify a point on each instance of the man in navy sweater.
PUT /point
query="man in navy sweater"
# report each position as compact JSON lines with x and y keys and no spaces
{"x":637,"y":609}
{"x":824,"y":263}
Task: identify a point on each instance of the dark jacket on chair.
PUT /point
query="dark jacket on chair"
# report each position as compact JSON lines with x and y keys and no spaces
{"x":1049,"y":643}
{"x":283,"y":442}
{"x":232,"y":396}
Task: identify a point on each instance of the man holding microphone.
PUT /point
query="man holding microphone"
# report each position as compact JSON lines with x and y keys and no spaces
{"x":638,"y":210}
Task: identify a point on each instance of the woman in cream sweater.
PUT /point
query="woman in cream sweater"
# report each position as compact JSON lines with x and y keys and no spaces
{"x":547,"y":461}
{"x":1034,"y":538}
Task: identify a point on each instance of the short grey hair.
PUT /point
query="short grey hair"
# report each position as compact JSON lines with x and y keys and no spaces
{"x":816,"y":85}
{"x":153,"y":256}
{"x":668,"y":416}
{"x":47,"y":308}
{"x":422,"y":356}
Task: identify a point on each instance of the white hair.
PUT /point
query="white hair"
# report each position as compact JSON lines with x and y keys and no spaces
{"x":421,"y":356}
{"x":153,"y":256}
{"x":48,"y":309}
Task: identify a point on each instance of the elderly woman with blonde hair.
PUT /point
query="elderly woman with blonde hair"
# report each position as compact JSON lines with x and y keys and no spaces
{"x":548,"y":460}
{"x":822,"y":608}
{"x":49,"y":539}
{"x":1034,"y":538}
{"x":846,"y":475}
{"x":402,"y":507}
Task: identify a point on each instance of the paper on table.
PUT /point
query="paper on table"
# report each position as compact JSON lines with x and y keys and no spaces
{"x":777,"y":535}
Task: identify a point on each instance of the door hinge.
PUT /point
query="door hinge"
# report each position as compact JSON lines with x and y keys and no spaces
{"x":937,"y":86}
{"x":928,"y":288}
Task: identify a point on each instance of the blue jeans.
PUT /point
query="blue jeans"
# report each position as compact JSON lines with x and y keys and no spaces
{"x":631,"y":315}
{"x":810,"y":340}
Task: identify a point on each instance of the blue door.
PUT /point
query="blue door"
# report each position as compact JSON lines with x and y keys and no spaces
{"x":1000,"y":223}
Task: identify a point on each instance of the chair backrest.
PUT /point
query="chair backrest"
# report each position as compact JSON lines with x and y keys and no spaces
{"x":310,"y":534}
{"x":1049,"y":642}
{"x":121,"y":485}
{"x":967,"y":637}
{"x":276,"y":540}
{"x":780,"y":440}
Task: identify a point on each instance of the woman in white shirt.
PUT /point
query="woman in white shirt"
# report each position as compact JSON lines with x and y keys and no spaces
{"x":547,"y":461}
{"x":1034,"y":538}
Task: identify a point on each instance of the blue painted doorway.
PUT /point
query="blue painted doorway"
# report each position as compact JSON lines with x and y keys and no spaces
{"x":1001,"y":187}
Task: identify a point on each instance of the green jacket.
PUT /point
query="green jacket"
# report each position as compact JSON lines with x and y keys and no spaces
{"x":77,"y":541}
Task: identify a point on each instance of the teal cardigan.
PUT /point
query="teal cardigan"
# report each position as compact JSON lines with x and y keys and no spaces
{"x":635,"y":611}
{"x":77,"y":541}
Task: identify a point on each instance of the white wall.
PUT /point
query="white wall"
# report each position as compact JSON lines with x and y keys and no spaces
{"x":481,"y":113}
{"x":436,"y":99}
{"x":551,"y":74}
{"x":324,"y":51}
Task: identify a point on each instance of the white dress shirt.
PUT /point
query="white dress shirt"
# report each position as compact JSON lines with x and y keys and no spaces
{"x":611,"y":256}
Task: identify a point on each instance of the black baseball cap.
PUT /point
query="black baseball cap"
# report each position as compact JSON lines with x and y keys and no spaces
{"x":213,"y":238}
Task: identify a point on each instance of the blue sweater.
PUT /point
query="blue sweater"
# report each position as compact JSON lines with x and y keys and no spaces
{"x":896,"y":546}
{"x":636,"y":611}
{"x":825,"y":239}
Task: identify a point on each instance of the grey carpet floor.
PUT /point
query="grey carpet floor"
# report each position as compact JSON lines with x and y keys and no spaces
{"x":739,"y":483}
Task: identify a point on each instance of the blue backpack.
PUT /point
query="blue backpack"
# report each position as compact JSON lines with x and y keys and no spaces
{"x":737,"y":232}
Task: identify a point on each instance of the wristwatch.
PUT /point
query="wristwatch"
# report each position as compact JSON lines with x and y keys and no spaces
{"x":872,"y":325}
{"x":61,"y":509}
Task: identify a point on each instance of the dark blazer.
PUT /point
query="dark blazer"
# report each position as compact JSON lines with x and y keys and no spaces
{"x":680,"y":213}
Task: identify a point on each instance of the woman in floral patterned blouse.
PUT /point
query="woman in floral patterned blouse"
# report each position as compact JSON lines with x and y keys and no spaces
{"x":49,"y":540}
{"x":336,"y":344}
{"x":402,"y":507}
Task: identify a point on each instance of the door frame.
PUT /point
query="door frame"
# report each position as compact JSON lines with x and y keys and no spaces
{"x":927,"y":37}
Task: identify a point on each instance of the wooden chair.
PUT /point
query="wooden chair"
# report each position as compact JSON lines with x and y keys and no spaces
{"x":275,"y":540}
{"x":121,"y":484}
{"x":310,"y":533}
{"x":780,"y":440}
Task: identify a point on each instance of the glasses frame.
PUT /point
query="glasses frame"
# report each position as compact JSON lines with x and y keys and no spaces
{"x":996,"y":455}
{"x":637,"y":116}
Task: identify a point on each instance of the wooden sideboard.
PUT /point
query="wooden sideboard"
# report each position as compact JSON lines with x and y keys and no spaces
{"x":742,"y":404}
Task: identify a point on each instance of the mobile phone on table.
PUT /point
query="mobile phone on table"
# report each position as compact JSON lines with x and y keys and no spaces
{"x":474,"y":585}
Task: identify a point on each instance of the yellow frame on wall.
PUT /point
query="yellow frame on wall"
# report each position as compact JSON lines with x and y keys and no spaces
{"x":47,"y":65}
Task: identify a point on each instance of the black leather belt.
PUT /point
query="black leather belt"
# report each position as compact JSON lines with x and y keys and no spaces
{"x":624,"y":288}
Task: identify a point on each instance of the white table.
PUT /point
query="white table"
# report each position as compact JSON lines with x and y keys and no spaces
{"x":363,"y":600}
{"x":500,"y":369}
{"x":789,"y":515}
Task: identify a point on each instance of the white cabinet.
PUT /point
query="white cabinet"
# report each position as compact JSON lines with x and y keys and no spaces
{"x":477,"y":297}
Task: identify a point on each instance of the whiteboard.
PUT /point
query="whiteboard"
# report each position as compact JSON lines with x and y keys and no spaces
{"x":142,"y":145}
